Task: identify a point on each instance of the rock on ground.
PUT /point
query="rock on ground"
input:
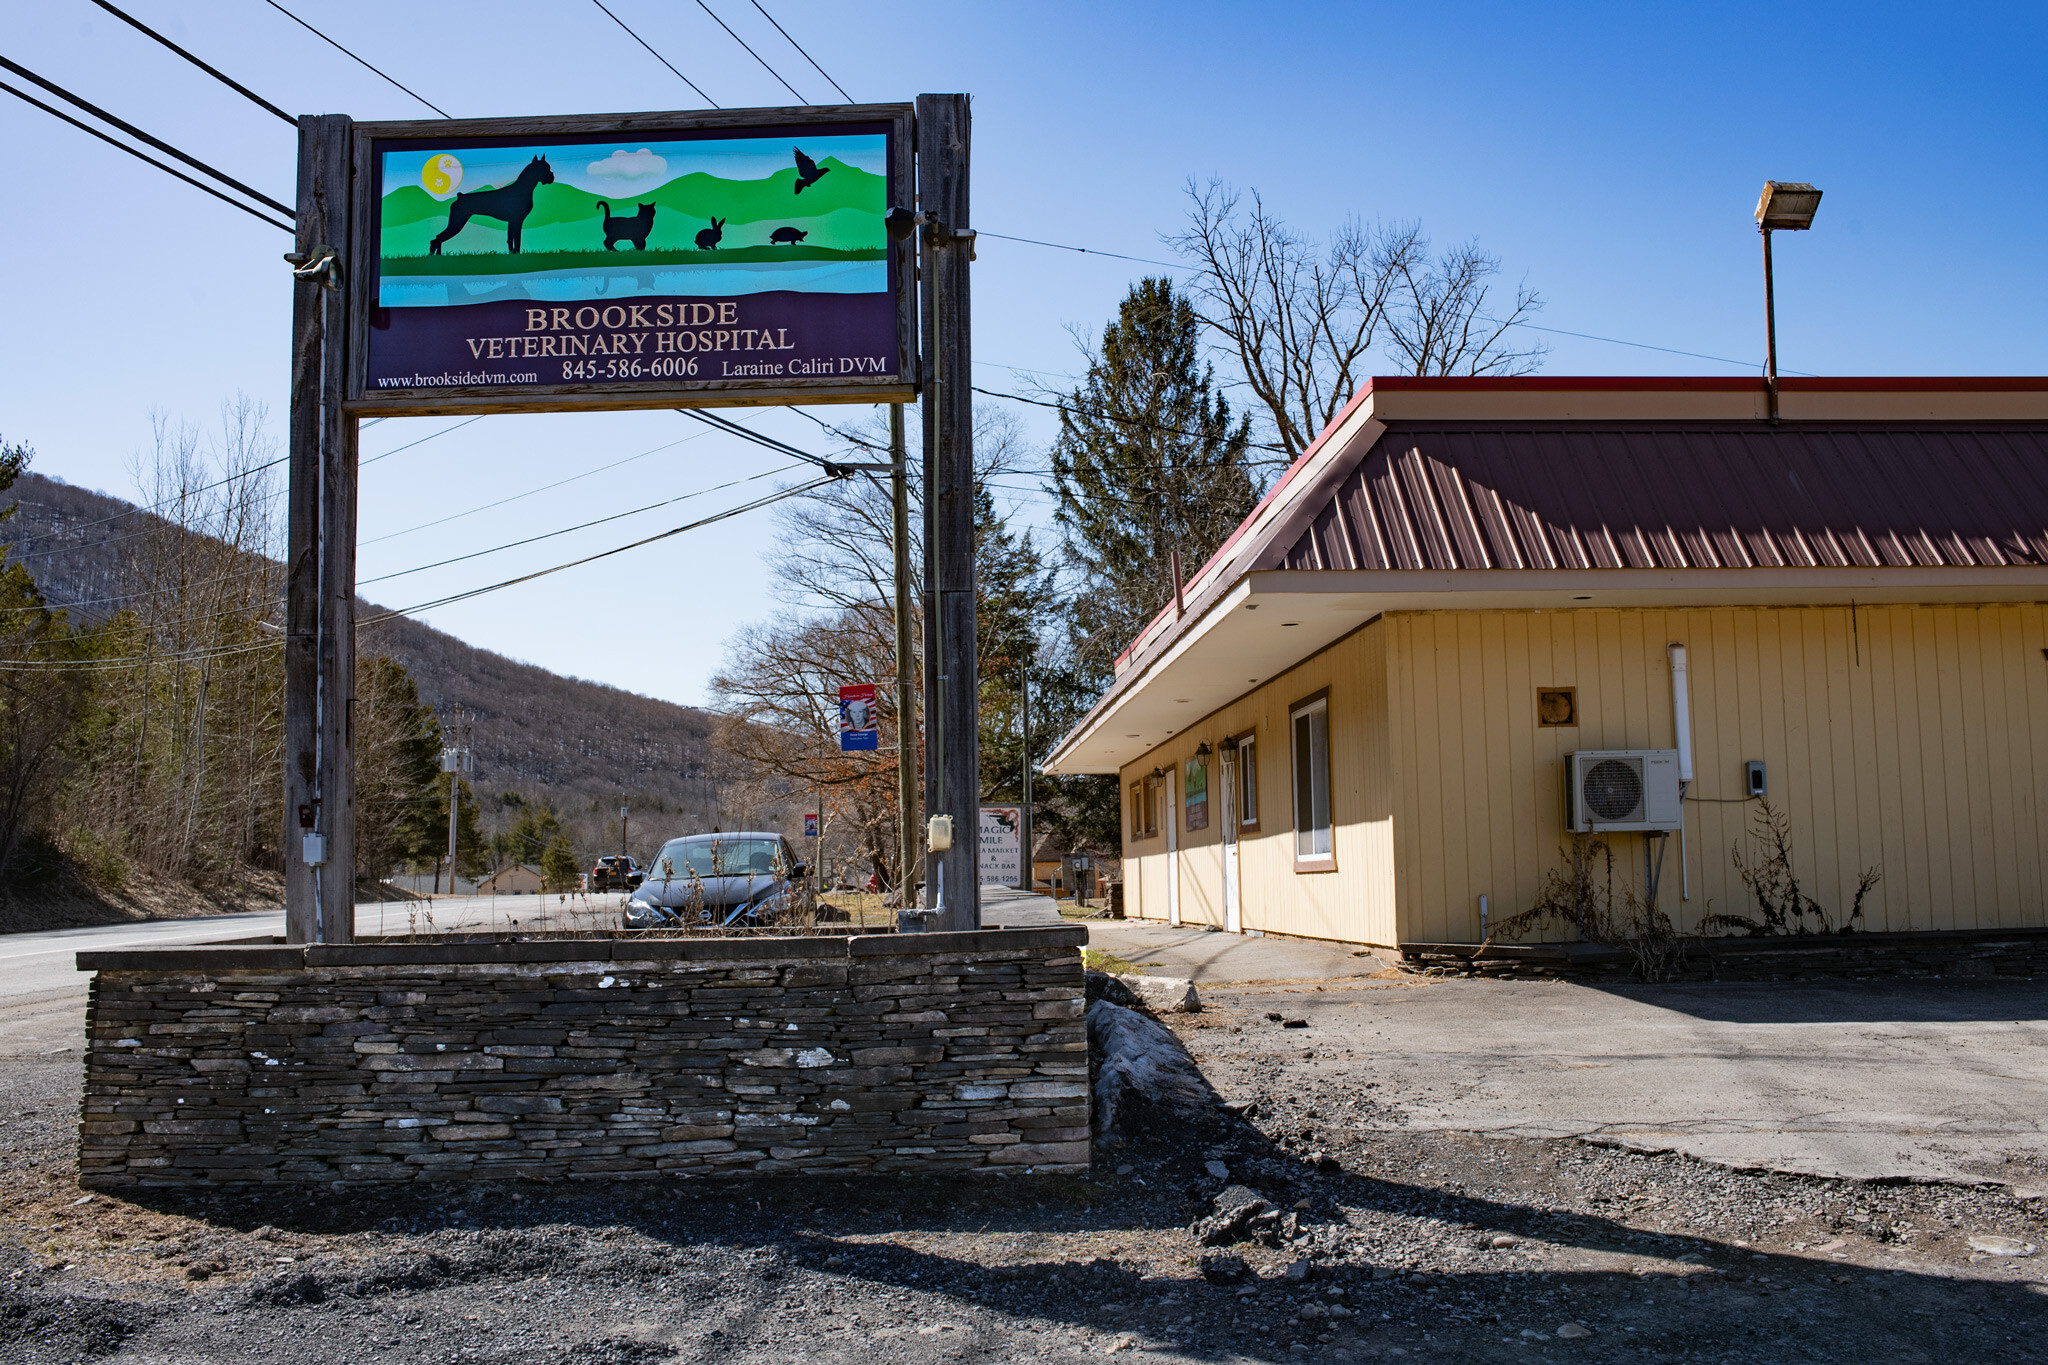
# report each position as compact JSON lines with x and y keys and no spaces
{"x":1142,"y":1070}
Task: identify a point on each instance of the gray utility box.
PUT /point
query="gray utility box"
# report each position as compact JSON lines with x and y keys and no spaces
{"x":1621,"y":789}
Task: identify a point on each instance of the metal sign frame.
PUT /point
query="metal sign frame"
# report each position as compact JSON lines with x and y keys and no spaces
{"x":368,"y":139}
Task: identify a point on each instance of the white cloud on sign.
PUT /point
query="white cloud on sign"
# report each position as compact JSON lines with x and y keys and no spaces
{"x":629,"y":166}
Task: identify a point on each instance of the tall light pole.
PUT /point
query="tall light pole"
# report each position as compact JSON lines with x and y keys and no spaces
{"x":1788,"y":206}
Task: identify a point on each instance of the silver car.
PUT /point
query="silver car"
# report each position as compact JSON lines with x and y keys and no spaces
{"x":742,"y":878}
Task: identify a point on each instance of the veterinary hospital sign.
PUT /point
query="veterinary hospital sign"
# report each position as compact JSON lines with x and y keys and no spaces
{"x":641,"y":260}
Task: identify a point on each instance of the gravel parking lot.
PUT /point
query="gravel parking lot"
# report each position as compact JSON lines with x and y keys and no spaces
{"x":1390,"y":1233}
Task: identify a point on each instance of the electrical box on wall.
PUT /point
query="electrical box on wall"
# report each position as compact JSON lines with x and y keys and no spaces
{"x":1621,"y":789}
{"x":1753,"y":780}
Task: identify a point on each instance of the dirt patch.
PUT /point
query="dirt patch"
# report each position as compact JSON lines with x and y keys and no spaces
{"x":1385,"y":1245}
{"x":74,"y":903}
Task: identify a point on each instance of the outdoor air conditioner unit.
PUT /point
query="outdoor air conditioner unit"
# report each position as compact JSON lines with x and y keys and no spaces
{"x":1621,"y":789}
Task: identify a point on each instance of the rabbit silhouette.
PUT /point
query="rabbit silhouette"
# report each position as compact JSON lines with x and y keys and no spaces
{"x":707,"y":239}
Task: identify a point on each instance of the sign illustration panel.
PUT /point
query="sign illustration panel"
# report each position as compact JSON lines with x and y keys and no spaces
{"x":750,"y":257}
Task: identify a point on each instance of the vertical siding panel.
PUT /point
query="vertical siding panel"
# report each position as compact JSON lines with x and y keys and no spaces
{"x":1948,"y":794}
{"x":1437,"y":770}
{"x":1998,"y":882}
{"x":1903,"y":825}
{"x":1518,"y":864}
{"x":1864,"y":775}
{"x":2030,"y":670}
{"x":1379,"y":926}
{"x":1408,"y":847}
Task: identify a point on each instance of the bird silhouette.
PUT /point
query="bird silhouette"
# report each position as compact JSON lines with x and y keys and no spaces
{"x":807,"y":170}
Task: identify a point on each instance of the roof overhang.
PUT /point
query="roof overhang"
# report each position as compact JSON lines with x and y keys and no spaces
{"x":1269,"y":621}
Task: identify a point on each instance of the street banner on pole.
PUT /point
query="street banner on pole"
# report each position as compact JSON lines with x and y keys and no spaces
{"x":859,"y":723}
{"x":1002,"y":845}
{"x":810,"y":824}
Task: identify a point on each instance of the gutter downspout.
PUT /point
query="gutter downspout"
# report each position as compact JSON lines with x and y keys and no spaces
{"x":1681,"y":720}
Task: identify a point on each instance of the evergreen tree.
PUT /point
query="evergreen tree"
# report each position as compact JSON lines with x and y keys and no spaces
{"x":1149,"y":461}
{"x":1013,"y":588}
{"x":559,"y":870}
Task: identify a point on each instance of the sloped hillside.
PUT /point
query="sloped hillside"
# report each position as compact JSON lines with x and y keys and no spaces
{"x":580,"y":745}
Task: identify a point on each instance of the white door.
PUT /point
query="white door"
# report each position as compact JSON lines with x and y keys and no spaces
{"x":1233,"y":920}
{"x":1168,"y":812}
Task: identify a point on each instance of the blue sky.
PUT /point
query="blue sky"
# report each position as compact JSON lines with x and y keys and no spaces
{"x":637,"y":165}
{"x":1610,"y":155}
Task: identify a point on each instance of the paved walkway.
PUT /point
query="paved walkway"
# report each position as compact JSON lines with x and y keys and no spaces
{"x":1005,"y":907}
{"x":1205,"y":956}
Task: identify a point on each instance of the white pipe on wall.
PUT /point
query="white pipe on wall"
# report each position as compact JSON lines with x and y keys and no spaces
{"x":1681,"y":724}
{"x":1681,"y":710}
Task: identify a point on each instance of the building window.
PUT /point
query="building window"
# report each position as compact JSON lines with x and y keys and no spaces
{"x":1137,"y":810}
{"x":1248,"y":783}
{"x":1145,"y":808}
{"x":1312,"y":831}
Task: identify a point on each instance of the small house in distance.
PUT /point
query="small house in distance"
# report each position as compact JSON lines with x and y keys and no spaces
{"x":1362,"y":724}
{"x":516,"y":879}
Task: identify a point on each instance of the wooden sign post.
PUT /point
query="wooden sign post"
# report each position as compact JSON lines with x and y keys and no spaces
{"x":952,"y":681}
{"x":320,"y":557}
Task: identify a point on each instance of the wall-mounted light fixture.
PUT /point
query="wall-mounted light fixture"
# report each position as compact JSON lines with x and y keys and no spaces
{"x":1203,"y":750}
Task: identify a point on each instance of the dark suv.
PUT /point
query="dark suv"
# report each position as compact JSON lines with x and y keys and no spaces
{"x":615,"y":872}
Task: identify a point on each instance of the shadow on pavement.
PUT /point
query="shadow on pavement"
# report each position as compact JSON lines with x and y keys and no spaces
{"x":1846,"y":1002}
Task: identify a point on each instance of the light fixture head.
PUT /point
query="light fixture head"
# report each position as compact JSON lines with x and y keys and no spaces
{"x":1203,"y":750}
{"x":1787,"y":206}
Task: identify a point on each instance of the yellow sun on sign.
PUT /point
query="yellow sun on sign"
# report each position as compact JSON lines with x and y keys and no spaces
{"x":441,"y":175}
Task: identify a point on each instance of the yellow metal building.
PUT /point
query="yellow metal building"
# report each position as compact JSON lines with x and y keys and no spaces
{"x":1358,"y":725}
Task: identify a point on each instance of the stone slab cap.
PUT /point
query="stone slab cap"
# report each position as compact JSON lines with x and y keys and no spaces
{"x":727,"y":949}
{"x":967,"y":941}
{"x":194,"y":958}
{"x":451,"y":954}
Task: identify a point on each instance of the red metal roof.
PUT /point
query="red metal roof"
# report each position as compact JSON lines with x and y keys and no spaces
{"x":1557,"y":495}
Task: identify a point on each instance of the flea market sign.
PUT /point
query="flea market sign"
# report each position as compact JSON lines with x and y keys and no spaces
{"x":632,"y":260}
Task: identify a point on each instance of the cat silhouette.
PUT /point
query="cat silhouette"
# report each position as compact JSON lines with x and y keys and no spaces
{"x":618,"y":228}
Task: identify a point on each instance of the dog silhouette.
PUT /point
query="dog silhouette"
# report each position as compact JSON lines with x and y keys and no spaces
{"x":622,"y":229}
{"x":707,"y":239}
{"x":508,"y":203}
{"x":787,"y":236}
{"x":807,"y":170}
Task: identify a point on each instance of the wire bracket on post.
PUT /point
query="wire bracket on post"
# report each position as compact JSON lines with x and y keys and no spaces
{"x":322,"y":263}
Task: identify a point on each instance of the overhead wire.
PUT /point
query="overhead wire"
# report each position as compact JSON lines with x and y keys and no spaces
{"x":457,"y":516}
{"x":584,"y":526}
{"x":209,"y":69}
{"x":777,"y":496}
{"x":732,"y":428}
{"x":651,"y":52}
{"x":750,"y":51}
{"x":358,"y":60}
{"x":257,"y":214}
{"x":806,"y":56}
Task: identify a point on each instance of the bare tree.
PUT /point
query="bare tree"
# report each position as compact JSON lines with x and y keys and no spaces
{"x":1302,"y":319}
{"x":1439,"y":323}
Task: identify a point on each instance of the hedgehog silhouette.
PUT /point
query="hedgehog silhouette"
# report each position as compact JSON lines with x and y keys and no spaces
{"x":808,"y":171}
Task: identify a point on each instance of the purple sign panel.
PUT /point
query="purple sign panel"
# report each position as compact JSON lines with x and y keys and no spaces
{"x":634,"y":265}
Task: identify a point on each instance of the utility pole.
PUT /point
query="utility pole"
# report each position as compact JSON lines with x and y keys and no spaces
{"x":952,"y":698}
{"x":1029,"y":882}
{"x":906,"y":703}
{"x":319,"y":832}
{"x":455,"y":760}
{"x":623,"y":825}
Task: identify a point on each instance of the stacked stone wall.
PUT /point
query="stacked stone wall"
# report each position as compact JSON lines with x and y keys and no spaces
{"x":589,"y":1060}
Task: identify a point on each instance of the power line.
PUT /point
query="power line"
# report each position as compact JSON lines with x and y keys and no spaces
{"x":1083,"y":250}
{"x":567,"y":530}
{"x":807,"y":56}
{"x":168,"y":170}
{"x":651,"y":52}
{"x":606,"y":554}
{"x":1112,"y":417}
{"x":214,"y":72}
{"x":422,"y":441}
{"x":751,"y":53}
{"x":61,"y":93}
{"x":727,"y":425}
{"x":457,"y":516}
{"x":358,"y":60}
